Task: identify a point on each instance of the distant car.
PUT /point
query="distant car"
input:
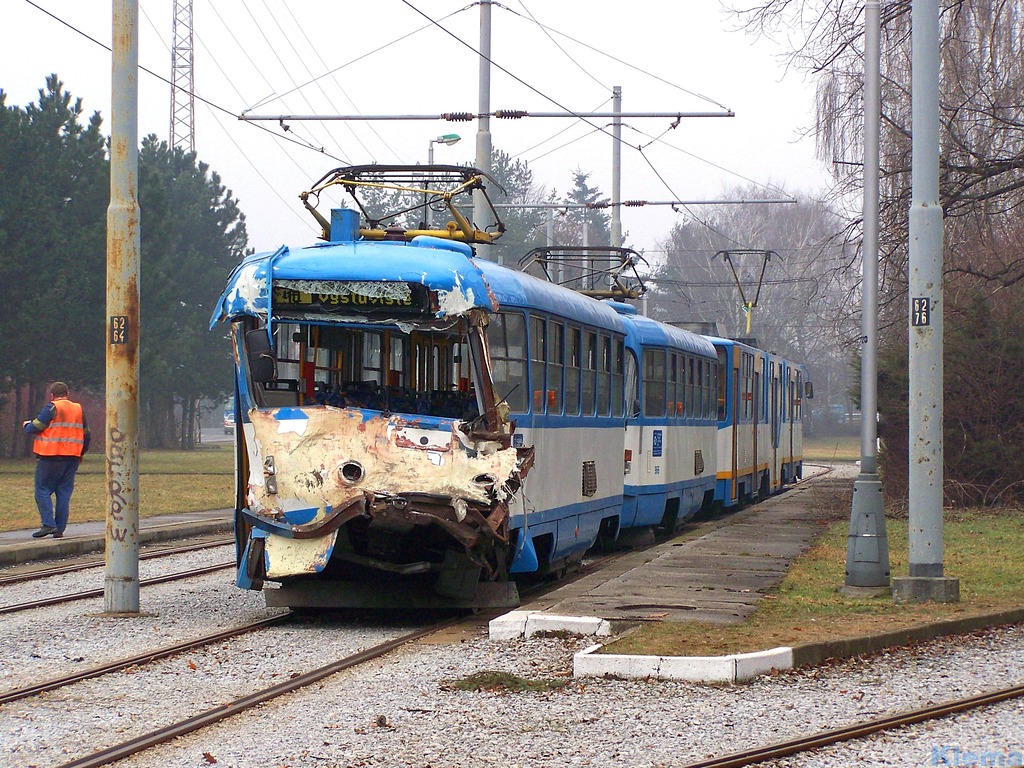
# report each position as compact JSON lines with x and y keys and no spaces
{"x":229,"y":421}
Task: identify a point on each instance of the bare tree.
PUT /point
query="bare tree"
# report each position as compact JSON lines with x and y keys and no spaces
{"x":801,"y":310}
{"x":982,"y":194}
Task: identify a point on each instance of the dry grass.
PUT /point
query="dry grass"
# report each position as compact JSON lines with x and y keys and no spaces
{"x":829,"y":448}
{"x":981,"y":549}
{"x":169,"y":482}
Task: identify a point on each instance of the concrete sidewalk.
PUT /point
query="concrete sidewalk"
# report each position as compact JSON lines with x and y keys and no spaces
{"x":83,"y":538}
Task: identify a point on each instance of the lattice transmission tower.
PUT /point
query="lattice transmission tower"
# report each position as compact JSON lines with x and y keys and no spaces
{"x":183,"y":101}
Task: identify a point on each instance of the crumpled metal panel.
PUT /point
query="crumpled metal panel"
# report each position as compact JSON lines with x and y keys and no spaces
{"x":311,"y":445}
{"x":290,"y":557}
{"x":312,"y":449}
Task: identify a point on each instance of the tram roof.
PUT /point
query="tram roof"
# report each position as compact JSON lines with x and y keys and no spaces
{"x":441,"y":265}
{"x":652,"y":333}
{"x":519,"y":289}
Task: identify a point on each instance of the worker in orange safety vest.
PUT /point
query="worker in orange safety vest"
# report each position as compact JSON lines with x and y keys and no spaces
{"x":62,"y":438}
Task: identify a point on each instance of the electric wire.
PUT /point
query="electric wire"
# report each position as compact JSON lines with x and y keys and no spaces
{"x":344,"y":93}
{"x":218,"y":120}
{"x":161,"y":78}
{"x":284,"y":67}
{"x":378,"y":49}
{"x":617,"y":60}
{"x":544,"y":29}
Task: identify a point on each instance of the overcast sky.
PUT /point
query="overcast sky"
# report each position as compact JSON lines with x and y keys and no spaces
{"x":382,"y":57}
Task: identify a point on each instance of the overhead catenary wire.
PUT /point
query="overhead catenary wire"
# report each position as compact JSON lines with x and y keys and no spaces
{"x":161,"y":78}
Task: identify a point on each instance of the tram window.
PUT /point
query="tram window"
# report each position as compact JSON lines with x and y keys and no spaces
{"x":618,"y":367}
{"x":589,"y":371}
{"x":654,"y":382}
{"x":604,"y":373}
{"x":722,"y":377}
{"x":632,"y":385}
{"x":506,"y":336}
{"x":673,"y":369}
{"x":556,"y":356}
{"x":372,"y":359}
{"x":396,"y":362}
{"x":692,"y":395}
{"x":538,"y":354}
{"x":574,"y":356}
{"x":747,"y":375}
{"x":709,"y":389}
{"x":798,"y":406}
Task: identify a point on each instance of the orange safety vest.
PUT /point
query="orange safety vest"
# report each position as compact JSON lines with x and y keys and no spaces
{"x":66,"y":434}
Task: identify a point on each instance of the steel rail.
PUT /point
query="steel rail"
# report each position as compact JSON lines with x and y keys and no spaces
{"x":211,"y":716}
{"x":857,"y":730}
{"x":143,"y":658}
{"x":59,"y":570}
{"x":13,"y":608}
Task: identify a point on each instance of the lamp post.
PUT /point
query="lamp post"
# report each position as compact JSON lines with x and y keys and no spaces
{"x":447,"y":139}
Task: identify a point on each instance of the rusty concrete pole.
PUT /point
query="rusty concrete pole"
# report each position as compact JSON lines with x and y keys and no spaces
{"x":121,"y":584}
{"x":481,"y":211}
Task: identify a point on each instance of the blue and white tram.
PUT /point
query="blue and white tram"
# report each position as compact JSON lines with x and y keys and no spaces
{"x":390,"y":397}
{"x":558,"y":360}
{"x":415,"y":427}
{"x":670,"y":449}
{"x":760,"y":422}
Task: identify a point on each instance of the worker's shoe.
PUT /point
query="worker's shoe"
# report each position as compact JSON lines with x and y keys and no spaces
{"x":58,"y":535}
{"x":46,"y":530}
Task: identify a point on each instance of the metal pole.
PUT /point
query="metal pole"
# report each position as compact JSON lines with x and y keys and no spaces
{"x":427,"y":217}
{"x":121,"y":584}
{"x":867,"y":549}
{"x":926,"y":580}
{"x":483,"y":133}
{"x":616,"y":168}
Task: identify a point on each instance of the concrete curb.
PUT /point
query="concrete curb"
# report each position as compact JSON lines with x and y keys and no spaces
{"x":25,"y":552}
{"x":733,"y":668}
{"x":515,"y":624}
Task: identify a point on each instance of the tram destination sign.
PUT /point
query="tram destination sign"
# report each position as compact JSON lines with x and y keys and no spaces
{"x":343,"y":297}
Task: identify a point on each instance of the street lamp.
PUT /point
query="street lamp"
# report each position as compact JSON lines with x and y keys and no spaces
{"x":448,"y":139}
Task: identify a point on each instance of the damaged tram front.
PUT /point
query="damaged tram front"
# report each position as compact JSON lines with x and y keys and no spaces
{"x":374,"y":460}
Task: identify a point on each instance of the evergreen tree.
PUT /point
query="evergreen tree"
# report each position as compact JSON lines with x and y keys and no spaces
{"x":193,"y":233}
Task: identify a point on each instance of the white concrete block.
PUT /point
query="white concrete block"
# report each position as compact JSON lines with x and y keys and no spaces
{"x":750,"y":665}
{"x":576,"y":625}
{"x":509,"y":626}
{"x":698,"y":669}
{"x":589,"y":663}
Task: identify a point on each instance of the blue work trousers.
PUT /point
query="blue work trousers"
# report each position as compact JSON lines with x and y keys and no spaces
{"x":55,"y":477}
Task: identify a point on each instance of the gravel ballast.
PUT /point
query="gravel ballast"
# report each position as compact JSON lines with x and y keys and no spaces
{"x":403,"y":711}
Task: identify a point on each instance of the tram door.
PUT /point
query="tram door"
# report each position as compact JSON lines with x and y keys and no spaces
{"x":734,"y":480}
{"x":775,"y":427}
{"x":758,"y":404}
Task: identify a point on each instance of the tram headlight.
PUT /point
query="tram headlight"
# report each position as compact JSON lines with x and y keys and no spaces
{"x":351,"y":473}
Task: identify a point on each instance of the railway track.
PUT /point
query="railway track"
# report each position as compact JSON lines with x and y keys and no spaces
{"x":143,"y":658}
{"x":58,"y":570}
{"x":209,"y":717}
{"x":858,"y":730}
{"x":58,"y":599}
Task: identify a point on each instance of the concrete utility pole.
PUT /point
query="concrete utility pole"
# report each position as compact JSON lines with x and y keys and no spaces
{"x":867,"y":549}
{"x":926,"y":580}
{"x":121,"y":584}
{"x":483,"y":131}
{"x":616,"y":167}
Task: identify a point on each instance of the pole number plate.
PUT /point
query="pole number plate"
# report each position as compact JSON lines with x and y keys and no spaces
{"x":118,"y":329}
{"x":920,"y":312}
